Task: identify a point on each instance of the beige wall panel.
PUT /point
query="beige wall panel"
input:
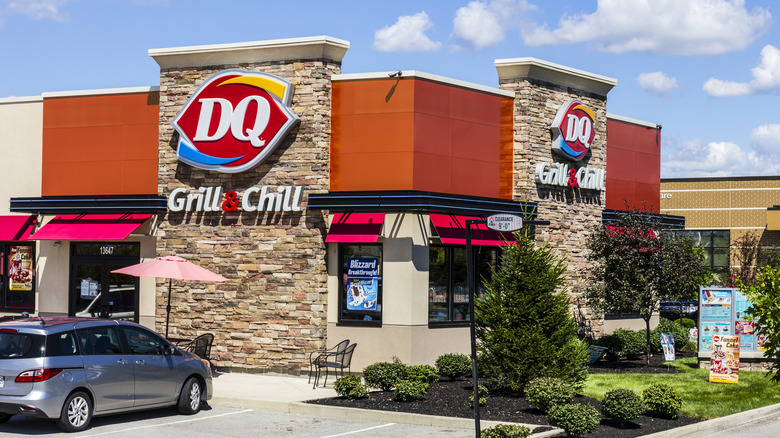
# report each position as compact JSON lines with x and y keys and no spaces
{"x":747,"y":218}
{"x":21,"y":128}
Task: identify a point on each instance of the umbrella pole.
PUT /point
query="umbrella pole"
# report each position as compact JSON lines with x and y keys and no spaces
{"x":168,"y":308}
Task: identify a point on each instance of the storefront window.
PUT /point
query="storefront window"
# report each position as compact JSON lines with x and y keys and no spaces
{"x":360,"y":291}
{"x":448,"y":288}
{"x":17,"y":277}
{"x":715,"y":244}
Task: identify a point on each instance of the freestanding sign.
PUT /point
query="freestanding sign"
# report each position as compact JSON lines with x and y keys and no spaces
{"x":234,"y":121}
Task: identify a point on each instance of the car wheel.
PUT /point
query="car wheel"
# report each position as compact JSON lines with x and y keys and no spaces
{"x":76,"y":413}
{"x":189,"y":399}
{"x":4,"y":418}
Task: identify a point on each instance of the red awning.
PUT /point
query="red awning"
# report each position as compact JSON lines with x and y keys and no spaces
{"x":355,"y":227}
{"x":16,"y":227}
{"x":452,"y":230}
{"x":90,"y":227}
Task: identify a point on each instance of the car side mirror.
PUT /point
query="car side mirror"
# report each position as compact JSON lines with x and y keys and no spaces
{"x":170,"y":350}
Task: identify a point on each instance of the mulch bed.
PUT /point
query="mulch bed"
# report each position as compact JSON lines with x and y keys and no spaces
{"x":450,"y":398}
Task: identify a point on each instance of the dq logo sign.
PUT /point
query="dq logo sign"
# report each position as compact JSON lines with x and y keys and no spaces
{"x":572,"y":130}
{"x":234,"y":121}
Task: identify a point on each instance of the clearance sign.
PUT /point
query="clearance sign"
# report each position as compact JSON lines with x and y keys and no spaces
{"x":234,"y":121}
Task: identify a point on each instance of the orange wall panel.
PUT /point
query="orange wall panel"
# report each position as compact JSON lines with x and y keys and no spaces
{"x":100,"y":144}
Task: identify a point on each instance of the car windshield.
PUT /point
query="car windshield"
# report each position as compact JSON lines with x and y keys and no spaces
{"x":15,"y":345}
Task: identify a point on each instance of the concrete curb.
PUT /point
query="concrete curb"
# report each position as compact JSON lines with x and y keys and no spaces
{"x":368,"y":415}
{"x":718,"y":424}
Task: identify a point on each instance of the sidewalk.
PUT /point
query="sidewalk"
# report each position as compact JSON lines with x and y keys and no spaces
{"x":287,"y":394}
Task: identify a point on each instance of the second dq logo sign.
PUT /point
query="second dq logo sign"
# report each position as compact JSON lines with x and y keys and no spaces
{"x":234,"y":121}
{"x":573,"y":130}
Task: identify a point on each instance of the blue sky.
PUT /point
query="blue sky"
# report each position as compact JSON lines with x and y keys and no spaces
{"x":708,"y":71}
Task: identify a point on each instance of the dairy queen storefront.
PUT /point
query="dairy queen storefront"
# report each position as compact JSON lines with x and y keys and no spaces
{"x":334,"y":203}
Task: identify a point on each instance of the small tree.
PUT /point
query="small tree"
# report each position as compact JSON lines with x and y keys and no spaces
{"x":765,"y":311}
{"x":635,"y":267}
{"x":523,"y":322}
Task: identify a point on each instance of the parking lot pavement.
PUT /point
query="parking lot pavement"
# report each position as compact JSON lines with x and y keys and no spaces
{"x":229,"y":422}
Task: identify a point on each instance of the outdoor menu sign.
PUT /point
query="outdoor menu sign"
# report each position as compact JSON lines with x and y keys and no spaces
{"x":722,"y":312}
{"x":667,"y":343}
{"x":362,"y":283}
{"x":20,"y":268}
{"x":724,"y":360}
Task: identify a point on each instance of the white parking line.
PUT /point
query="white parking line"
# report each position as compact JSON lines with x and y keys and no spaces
{"x":174,"y":422}
{"x":359,"y":431}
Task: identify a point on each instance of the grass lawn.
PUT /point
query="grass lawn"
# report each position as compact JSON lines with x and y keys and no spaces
{"x":701,"y":399}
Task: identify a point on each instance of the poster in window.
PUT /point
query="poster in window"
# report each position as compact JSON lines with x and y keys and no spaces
{"x":362,"y":283}
{"x":20,"y":271}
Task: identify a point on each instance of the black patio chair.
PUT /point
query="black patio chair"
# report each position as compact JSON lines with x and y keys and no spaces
{"x":315,"y":355}
{"x":201,"y":346}
{"x":338,"y":361}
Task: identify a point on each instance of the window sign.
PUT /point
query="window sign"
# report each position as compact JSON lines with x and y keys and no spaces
{"x":20,"y":268}
{"x":89,"y":288}
{"x":362,"y":283}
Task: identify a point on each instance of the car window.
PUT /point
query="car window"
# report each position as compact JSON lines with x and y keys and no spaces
{"x":141,"y":341}
{"x":20,"y":345}
{"x":99,"y":340}
{"x":61,"y":344}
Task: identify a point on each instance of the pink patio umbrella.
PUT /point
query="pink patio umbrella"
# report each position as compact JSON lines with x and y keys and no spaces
{"x":172,"y":268}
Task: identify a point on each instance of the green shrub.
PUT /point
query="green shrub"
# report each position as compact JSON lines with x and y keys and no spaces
{"x":453,"y":365}
{"x":662,"y":400}
{"x":422,"y":373}
{"x":688,"y":323}
{"x":546,"y":392}
{"x":506,"y":431}
{"x":384,"y":375}
{"x":406,"y":391}
{"x":482,"y":392}
{"x":614,"y":347}
{"x":665,"y":326}
{"x":632,"y":343}
{"x":523,"y":319}
{"x":622,"y":405}
{"x":577,"y":419}
{"x":350,"y":387}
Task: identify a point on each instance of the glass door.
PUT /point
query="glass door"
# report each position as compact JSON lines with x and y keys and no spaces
{"x":97,"y":292}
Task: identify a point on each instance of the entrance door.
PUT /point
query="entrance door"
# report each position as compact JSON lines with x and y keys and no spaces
{"x":94,"y":290}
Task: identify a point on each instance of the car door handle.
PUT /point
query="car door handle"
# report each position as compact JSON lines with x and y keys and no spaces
{"x":122,"y":362}
{"x":140,"y":362}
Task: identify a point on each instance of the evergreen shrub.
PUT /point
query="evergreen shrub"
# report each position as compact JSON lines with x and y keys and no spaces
{"x":506,"y":431}
{"x":632,"y":343}
{"x":384,"y":375}
{"x":422,"y":373}
{"x":576,"y":419}
{"x":482,"y":392}
{"x":350,"y":387}
{"x":662,"y":400}
{"x":406,"y":391}
{"x":453,"y":365}
{"x":622,"y":405}
{"x":546,"y":392}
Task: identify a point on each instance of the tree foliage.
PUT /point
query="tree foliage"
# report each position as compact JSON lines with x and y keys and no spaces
{"x":764,"y":293}
{"x":635,"y":267}
{"x":523,"y":322}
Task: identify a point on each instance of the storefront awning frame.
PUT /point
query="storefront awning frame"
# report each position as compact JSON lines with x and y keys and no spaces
{"x":52,"y":205}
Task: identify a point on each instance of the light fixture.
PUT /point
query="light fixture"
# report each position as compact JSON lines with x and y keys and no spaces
{"x":57,"y":243}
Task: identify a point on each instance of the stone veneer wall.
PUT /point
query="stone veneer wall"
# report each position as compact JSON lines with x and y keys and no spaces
{"x":271,"y":312}
{"x":572,"y":212}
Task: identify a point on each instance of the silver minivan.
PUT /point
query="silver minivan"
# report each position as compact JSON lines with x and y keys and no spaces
{"x":71,"y":369}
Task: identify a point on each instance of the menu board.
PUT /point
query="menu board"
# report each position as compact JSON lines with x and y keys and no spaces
{"x":723,"y":312}
{"x":724,"y":359}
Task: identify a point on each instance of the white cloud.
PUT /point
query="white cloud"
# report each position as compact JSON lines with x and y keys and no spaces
{"x":484,"y":23}
{"x":406,"y":35}
{"x":671,"y":27}
{"x":766,"y":77}
{"x":39,"y":9}
{"x":697,"y":159}
{"x":657,"y":83}
{"x":766,"y":140}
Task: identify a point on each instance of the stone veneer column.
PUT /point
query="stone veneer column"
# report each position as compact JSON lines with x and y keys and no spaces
{"x":540,"y":89}
{"x":271,"y":311}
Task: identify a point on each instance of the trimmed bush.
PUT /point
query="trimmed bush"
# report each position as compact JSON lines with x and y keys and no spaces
{"x":546,"y":392}
{"x":613,"y":345}
{"x":680,"y":333}
{"x":482,"y":392}
{"x":506,"y":431}
{"x":422,"y":373}
{"x":406,"y":391}
{"x":688,"y":323}
{"x":622,"y":405}
{"x":577,"y":419}
{"x":350,"y":387}
{"x":632,"y":343}
{"x":453,"y":365}
{"x":384,"y":375}
{"x":662,"y":400}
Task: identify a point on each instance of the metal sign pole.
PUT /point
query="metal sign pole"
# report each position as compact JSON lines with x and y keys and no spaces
{"x":472,"y":320}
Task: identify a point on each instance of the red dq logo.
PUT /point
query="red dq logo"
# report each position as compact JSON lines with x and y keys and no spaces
{"x":234,"y":121}
{"x":573,"y":130}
